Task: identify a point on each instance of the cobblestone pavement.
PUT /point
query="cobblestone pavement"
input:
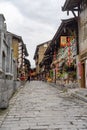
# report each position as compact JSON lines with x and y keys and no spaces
{"x":39,"y":106}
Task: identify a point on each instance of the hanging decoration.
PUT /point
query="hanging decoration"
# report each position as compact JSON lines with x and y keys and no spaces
{"x":54,"y":55}
{"x":69,"y":50}
{"x":68,"y":42}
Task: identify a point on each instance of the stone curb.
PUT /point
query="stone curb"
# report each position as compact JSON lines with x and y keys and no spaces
{"x":76,"y":95}
{"x":79,"y":96}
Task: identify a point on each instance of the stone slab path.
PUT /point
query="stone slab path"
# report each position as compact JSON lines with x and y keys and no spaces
{"x":39,"y":106}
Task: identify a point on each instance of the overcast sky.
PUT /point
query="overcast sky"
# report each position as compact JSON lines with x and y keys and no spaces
{"x":35,"y":20}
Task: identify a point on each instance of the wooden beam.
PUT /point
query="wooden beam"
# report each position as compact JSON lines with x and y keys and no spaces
{"x":74,"y":14}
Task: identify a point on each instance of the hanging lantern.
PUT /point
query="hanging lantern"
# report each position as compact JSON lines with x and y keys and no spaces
{"x":54,"y":55}
{"x":68,"y":41}
{"x":69,"y":62}
{"x":69,"y":51}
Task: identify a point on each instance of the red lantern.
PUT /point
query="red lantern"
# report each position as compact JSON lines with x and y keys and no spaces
{"x":69,"y":51}
{"x":68,"y":42}
{"x":68,"y":39}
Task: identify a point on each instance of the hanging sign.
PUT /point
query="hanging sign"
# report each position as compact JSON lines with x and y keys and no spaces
{"x":63,"y":41}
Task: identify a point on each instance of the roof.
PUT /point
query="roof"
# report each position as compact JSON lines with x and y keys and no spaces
{"x":2,"y":16}
{"x":57,"y":35}
{"x":15,"y":36}
{"x":71,"y":4}
{"x":26,"y":52}
{"x":27,"y":62}
{"x":39,"y":46}
{"x":60,"y":30}
{"x":62,"y":25}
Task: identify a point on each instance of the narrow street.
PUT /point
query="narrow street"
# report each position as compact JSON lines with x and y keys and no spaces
{"x":39,"y":106}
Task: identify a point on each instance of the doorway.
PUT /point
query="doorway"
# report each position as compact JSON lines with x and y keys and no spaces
{"x":83,"y":76}
{"x":86,"y":73}
{"x":3,"y":61}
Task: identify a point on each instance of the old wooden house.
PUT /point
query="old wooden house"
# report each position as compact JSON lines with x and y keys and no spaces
{"x":79,"y":9}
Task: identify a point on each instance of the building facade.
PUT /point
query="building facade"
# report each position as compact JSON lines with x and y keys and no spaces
{"x":6,"y":65}
{"x":19,"y":52}
{"x":9,"y":57}
{"x":60,"y":57}
{"x":4,"y":48}
{"x":81,"y":8}
{"x":38,"y":56}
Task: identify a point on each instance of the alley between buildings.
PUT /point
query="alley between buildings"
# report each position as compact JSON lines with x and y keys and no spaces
{"x":40,"y":106}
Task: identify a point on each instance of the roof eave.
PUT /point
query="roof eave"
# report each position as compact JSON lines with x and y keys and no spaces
{"x":70,"y":5}
{"x":26,"y":52}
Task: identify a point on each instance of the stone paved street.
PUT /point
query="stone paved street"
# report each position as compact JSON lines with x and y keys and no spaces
{"x":39,"y":106}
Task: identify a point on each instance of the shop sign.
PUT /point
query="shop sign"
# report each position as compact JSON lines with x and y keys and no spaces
{"x":67,"y":41}
{"x":63,"y":41}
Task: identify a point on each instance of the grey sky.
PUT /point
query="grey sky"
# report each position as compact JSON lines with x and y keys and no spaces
{"x":35,"y":20}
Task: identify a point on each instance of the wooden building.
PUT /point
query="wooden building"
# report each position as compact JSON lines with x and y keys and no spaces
{"x":56,"y":56}
{"x":80,"y":7}
{"x":38,"y":56}
{"x":27,"y":68}
{"x":33,"y":75}
{"x":19,"y":53}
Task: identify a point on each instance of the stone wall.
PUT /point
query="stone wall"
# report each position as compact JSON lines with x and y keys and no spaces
{"x":7,"y":88}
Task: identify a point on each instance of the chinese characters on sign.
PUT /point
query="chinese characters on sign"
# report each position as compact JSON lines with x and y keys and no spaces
{"x":70,"y":43}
